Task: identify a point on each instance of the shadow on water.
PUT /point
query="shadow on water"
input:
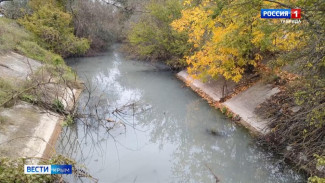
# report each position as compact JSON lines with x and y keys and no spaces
{"x":162,"y":132}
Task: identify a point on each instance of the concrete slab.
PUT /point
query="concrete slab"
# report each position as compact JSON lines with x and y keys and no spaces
{"x":245,"y":103}
{"x":68,"y":96}
{"x":212,"y":88}
{"x":27,"y":131}
{"x":242,"y":104}
{"x":15,"y":67}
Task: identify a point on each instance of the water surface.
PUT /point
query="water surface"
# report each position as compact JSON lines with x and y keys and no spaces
{"x":162,"y":136}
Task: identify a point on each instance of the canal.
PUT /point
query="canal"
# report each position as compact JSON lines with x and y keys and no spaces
{"x":155,"y":129}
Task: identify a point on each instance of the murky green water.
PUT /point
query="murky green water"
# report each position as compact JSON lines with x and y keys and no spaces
{"x":164,"y":137}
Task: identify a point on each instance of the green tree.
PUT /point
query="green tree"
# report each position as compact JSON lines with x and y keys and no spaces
{"x":153,"y":38}
{"x":53,"y":28}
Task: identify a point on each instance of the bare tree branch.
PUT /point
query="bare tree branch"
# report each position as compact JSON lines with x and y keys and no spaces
{"x":279,"y":3}
{"x":124,"y":8}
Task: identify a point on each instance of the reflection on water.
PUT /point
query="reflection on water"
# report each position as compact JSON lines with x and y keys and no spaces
{"x":163,"y":136}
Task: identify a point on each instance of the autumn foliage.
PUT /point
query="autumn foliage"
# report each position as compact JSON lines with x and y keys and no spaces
{"x":230,"y":36}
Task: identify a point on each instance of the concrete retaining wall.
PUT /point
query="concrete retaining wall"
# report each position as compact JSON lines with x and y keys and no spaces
{"x":242,"y":105}
{"x":27,"y":130}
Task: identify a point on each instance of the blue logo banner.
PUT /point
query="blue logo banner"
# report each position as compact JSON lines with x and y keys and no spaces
{"x":275,"y":13}
{"x":48,"y":169}
{"x":61,"y":169}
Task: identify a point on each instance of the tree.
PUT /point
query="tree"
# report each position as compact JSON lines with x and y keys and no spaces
{"x":14,"y":9}
{"x":229,"y":37}
{"x":97,"y":21}
{"x":153,"y":38}
{"x":53,"y":28}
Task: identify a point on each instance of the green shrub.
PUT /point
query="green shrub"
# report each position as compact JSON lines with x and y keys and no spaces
{"x":68,"y":121}
{"x":224,"y":110}
{"x":6,"y":90}
{"x":58,"y":106}
{"x":15,"y":38}
{"x":52,"y":26}
{"x":320,"y":162}
{"x":152,"y":37}
{"x":33,"y":50}
{"x":316,"y":179}
{"x":28,"y":98}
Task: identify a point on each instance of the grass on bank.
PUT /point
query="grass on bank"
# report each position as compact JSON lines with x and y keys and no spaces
{"x":13,"y":37}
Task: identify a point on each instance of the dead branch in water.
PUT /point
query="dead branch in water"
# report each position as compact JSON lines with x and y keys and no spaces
{"x":214,"y":175}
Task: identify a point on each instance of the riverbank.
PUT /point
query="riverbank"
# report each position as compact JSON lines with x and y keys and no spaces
{"x":29,"y":128}
{"x":241,"y":107}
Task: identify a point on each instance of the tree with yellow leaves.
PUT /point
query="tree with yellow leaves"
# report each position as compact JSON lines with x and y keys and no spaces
{"x":229,"y":37}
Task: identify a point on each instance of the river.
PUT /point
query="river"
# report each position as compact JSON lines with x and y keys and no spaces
{"x":162,"y":131}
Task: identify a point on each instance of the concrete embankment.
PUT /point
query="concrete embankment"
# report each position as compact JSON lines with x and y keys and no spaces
{"x":28,"y":130}
{"x":241,"y":105}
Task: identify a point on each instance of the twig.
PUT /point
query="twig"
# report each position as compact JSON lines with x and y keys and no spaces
{"x":214,"y":175}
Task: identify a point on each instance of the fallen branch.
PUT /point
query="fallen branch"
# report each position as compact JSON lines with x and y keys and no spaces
{"x":214,"y":175}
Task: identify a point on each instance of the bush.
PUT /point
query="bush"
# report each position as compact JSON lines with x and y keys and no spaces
{"x":16,"y":38}
{"x":58,"y":106}
{"x":98,"y":22}
{"x":304,"y":128}
{"x":15,"y":9}
{"x":68,"y":121}
{"x":6,"y":89}
{"x":223,"y":110}
{"x":53,"y":28}
{"x":153,"y":38}
{"x":320,"y":162}
{"x":33,"y":50}
{"x":29,"y":98}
